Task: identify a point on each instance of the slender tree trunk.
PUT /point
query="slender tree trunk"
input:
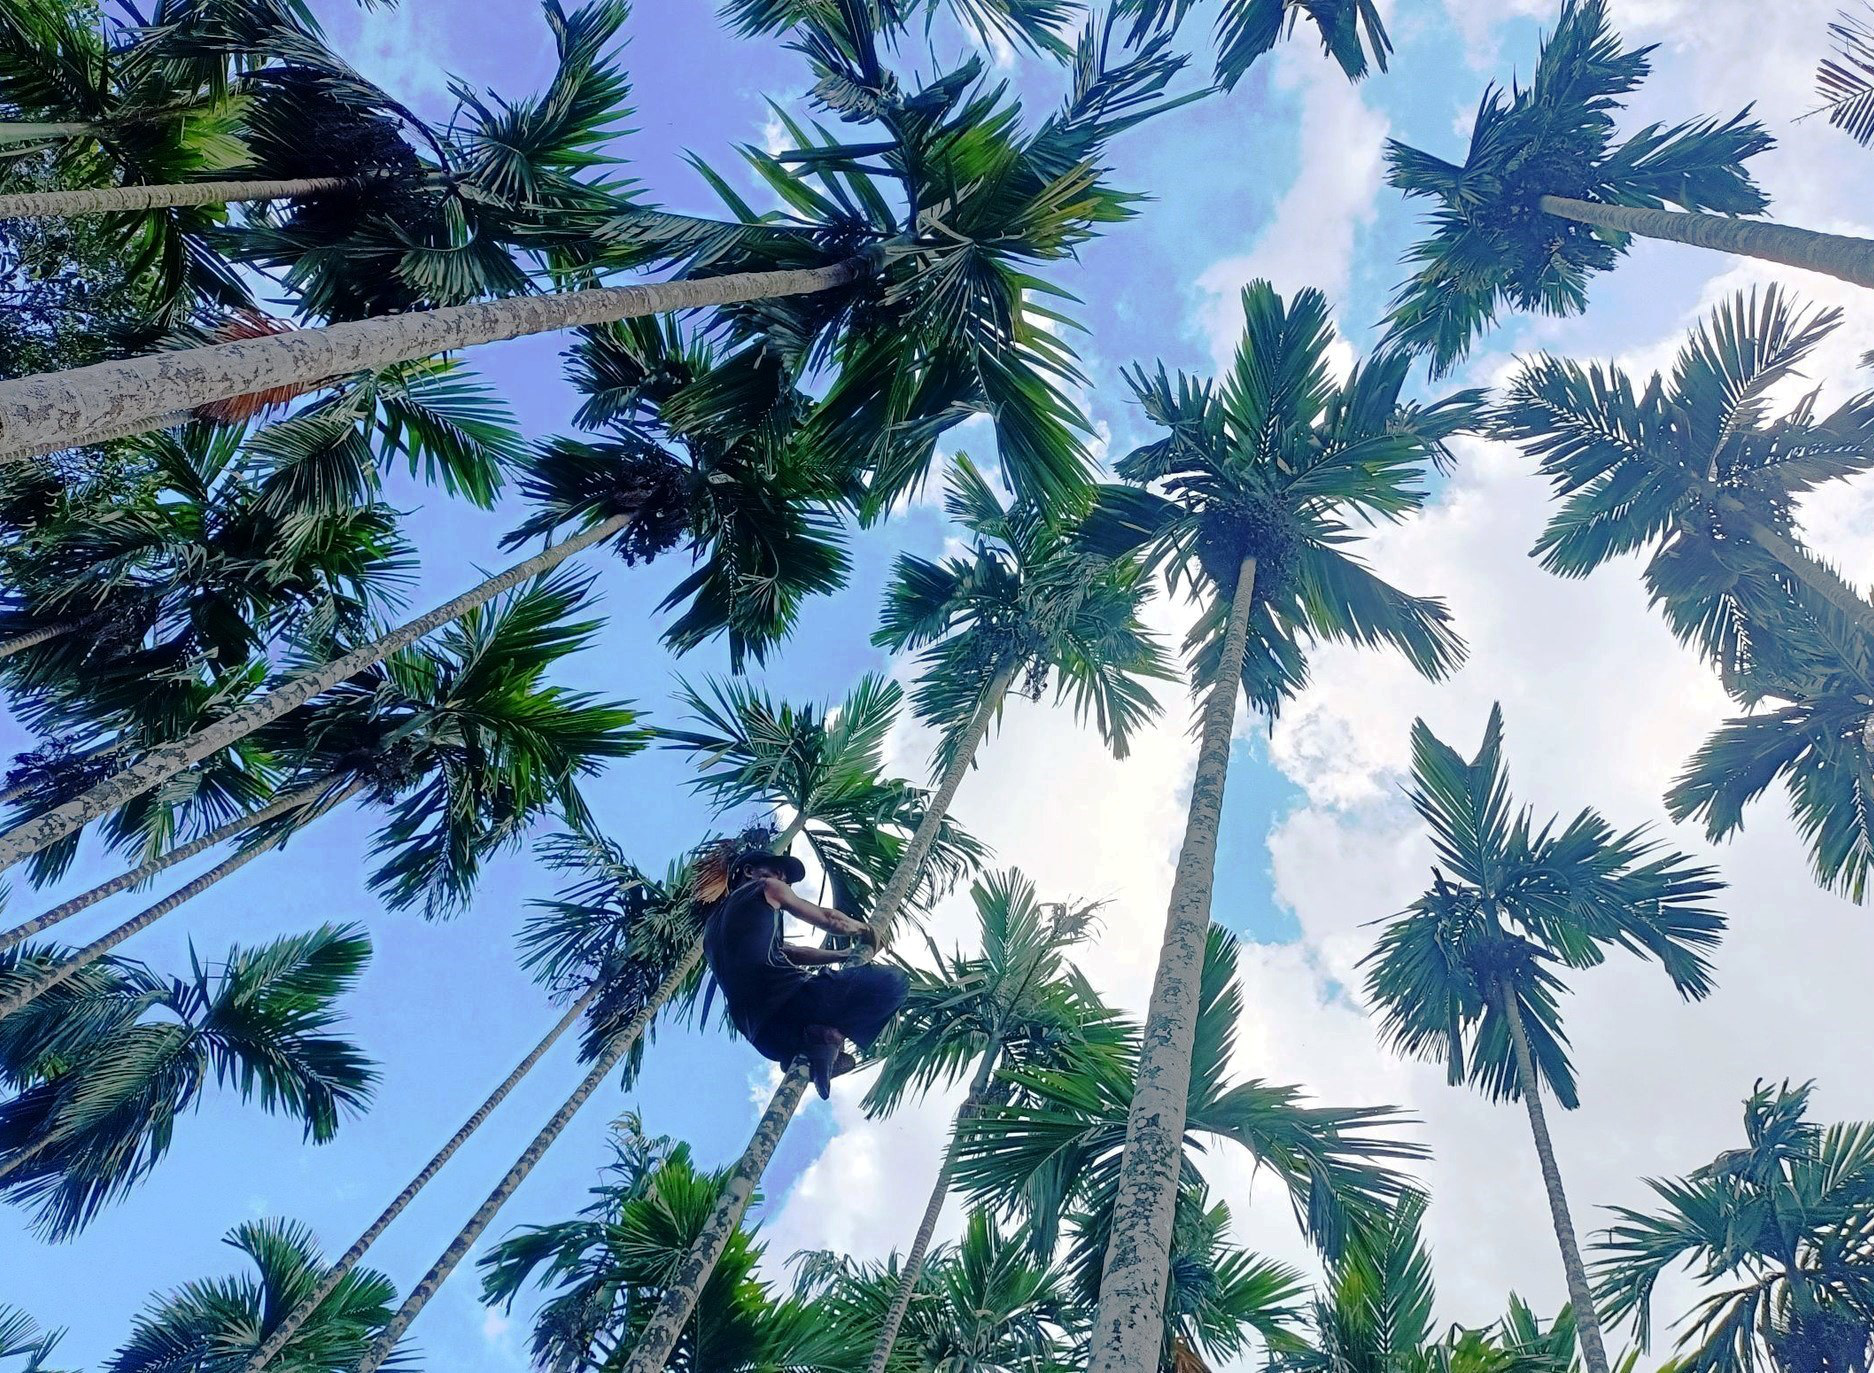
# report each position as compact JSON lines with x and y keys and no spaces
{"x":15,"y":131}
{"x":97,"y":948}
{"x":12,"y":794}
{"x":1580,"y":1296}
{"x":480,"y":1221}
{"x":289,"y":1324}
{"x":933,"y":1209}
{"x":924,"y":838}
{"x":1129,"y":1330}
{"x":1836,"y":255}
{"x":130,"y":428}
{"x":159,"y":764}
{"x":32,"y":638}
{"x":28,"y":1154}
{"x":1802,"y":565}
{"x":137,"y":876}
{"x":100,"y":200}
{"x":686,"y":1280}
{"x":68,"y":409}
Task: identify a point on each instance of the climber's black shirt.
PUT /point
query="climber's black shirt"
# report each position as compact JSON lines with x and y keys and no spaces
{"x":742,"y":941}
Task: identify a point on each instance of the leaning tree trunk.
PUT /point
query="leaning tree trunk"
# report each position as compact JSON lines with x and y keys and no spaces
{"x":686,"y":1280}
{"x":551,"y":1131}
{"x":97,"y":948}
{"x":1129,"y":1330}
{"x":1801,"y":565}
{"x":160,"y":764}
{"x":937,"y":809}
{"x":32,"y":638}
{"x":933,"y":1209}
{"x":1836,"y":255}
{"x":137,"y":876}
{"x":129,"y":429}
{"x":1580,"y":1297}
{"x":16,"y":131}
{"x":28,"y":1154}
{"x":69,"y":409}
{"x":290,"y":1323}
{"x":101,"y":200}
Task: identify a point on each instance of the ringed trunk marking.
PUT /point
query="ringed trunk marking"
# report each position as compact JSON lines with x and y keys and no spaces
{"x":1836,"y":255}
{"x":100,"y":200}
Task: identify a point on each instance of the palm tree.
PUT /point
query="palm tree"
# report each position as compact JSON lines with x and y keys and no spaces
{"x":1467,"y":975}
{"x":1352,"y":32}
{"x":94,"y":1114}
{"x":464,"y":744}
{"x":609,"y":938}
{"x":1546,"y":197}
{"x":1780,"y":1227}
{"x":1261,"y":477}
{"x":1374,"y":1315}
{"x":1030,"y":599}
{"x":1695,"y":466}
{"x":938,"y":301}
{"x":983,"y":1305}
{"x":210,"y":1324}
{"x":22,"y":1339}
{"x":1017,"y":1004}
{"x":1055,"y":1151}
{"x":1846,"y":87}
{"x":604,"y":1272}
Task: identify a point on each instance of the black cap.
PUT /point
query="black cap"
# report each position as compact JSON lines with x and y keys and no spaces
{"x":792,"y":869}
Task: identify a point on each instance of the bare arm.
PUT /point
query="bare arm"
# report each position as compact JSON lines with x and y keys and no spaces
{"x":820,"y":917}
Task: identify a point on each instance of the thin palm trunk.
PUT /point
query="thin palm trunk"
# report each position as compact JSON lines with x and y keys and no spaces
{"x":129,"y":429}
{"x":924,"y":838}
{"x":1128,"y":1332}
{"x":17,"y":131}
{"x":309,"y":1304}
{"x":1580,"y":1297}
{"x":32,"y":638}
{"x":686,"y":1280}
{"x":97,"y":948}
{"x":69,"y":409}
{"x":933,"y":1209}
{"x":160,"y":764}
{"x":1802,"y":566}
{"x":137,"y":876}
{"x":28,"y":1154}
{"x":102,"y":200}
{"x":1836,"y":255}
{"x":465,"y":1239}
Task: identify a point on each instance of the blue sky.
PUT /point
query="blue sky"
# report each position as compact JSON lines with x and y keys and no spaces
{"x":1277,"y":178}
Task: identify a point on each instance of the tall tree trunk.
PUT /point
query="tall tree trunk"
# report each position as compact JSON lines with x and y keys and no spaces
{"x":687,"y":1278}
{"x":97,"y":948}
{"x":1801,"y":565}
{"x":32,"y":638}
{"x":68,"y":409}
{"x":1580,"y":1296}
{"x":290,"y":1323}
{"x":1129,"y":1329}
{"x":924,"y":838}
{"x":480,"y":1221}
{"x":159,"y":764}
{"x":933,"y":1209}
{"x":129,"y":429}
{"x":1836,"y":255}
{"x":99,"y":200}
{"x":28,"y":1154}
{"x":137,"y":876}
{"x":18,"y":131}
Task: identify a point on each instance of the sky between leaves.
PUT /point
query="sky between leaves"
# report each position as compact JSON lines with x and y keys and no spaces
{"x":1281,"y":179}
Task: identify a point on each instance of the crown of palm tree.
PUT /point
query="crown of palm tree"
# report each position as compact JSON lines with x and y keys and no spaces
{"x":1030,"y":598}
{"x":1510,"y":904}
{"x":220,"y":1321}
{"x":824,"y":765}
{"x":96,"y":1119}
{"x":1689,"y":464}
{"x":1491,"y":243}
{"x":954,"y":207}
{"x":1352,"y":32}
{"x":1779,"y":1227}
{"x":606,"y":1270}
{"x":1272,"y":465}
{"x":1054,"y":1148}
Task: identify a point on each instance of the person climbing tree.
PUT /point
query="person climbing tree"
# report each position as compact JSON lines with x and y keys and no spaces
{"x":776,"y":1002}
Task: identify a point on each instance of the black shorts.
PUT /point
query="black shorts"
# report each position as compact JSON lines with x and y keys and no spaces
{"x":856,"y":1001}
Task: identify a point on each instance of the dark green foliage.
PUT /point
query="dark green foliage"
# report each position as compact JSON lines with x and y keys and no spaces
{"x":1492,"y":245}
{"x":1845,"y":82}
{"x":1352,"y":32}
